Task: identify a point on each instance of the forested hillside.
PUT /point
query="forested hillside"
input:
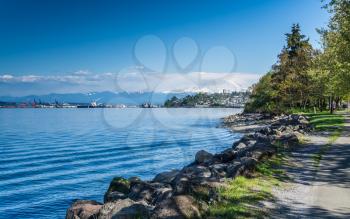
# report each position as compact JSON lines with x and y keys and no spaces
{"x":234,"y":99}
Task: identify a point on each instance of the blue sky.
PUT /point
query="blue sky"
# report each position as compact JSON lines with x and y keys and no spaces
{"x":61,"y":38}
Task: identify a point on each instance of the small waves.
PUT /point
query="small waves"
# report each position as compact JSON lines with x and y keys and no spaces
{"x":49,"y":164}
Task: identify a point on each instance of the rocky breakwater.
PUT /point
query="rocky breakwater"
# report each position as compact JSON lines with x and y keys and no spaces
{"x":247,"y":123}
{"x":188,"y":192}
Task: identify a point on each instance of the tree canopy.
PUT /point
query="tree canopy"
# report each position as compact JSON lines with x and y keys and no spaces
{"x":307,"y":78}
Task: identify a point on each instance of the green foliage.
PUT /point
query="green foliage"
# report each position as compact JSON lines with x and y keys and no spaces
{"x":287,"y":85}
{"x":271,"y":167}
{"x":241,"y":196}
{"x":261,"y":99}
{"x":305,"y":78}
{"x":336,"y":40}
{"x":210,"y":100}
{"x":172,"y":102}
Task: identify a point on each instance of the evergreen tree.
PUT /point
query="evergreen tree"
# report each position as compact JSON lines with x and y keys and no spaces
{"x":289,"y":78}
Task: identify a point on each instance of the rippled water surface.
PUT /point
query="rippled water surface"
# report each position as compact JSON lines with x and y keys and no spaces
{"x":49,"y":157}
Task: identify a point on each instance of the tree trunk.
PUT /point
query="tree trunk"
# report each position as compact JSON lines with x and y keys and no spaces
{"x":337,"y":100}
{"x":331,"y":108}
{"x":320,"y":104}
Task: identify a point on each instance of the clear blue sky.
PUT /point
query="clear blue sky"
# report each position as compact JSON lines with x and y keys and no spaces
{"x":55,"y":37}
{"x":53,"y":40}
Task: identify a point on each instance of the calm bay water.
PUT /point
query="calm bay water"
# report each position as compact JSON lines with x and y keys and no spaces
{"x":49,"y":157}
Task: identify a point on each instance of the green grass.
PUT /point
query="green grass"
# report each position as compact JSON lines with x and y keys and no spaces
{"x":241,"y":196}
{"x":271,"y":167}
{"x":324,"y":148}
{"x":327,"y":122}
{"x":332,"y":123}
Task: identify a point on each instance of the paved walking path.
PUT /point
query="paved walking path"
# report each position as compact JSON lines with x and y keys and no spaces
{"x":332,"y":183}
{"x":317,"y":191}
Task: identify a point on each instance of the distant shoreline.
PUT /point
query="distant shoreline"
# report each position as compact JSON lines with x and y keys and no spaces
{"x":128,"y":107}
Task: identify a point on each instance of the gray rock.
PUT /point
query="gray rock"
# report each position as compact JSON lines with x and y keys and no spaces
{"x":241,"y":146}
{"x":113,"y":196}
{"x":219,"y":167}
{"x":262,"y":152}
{"x":241,"y":168}
{"x":181,"y":184}
{"x":203,"y":156}
{"x":142,"y":191}
{"x":303,"y":121}
{"x":134,"y":179}
{"x":266,"y":131}
{"x":187,"y":206}
{"x":251,"y":143}
{"x":243,"y":151}
{"x":166,"y":177}
{"x":249,"y":163}
{"x":167,"y":209}
{"x":118,"y":184}
{"x":124,"y":209}
{"x":162,"y":194}
{"x":232,"y":169}
{"x":178,"y":207}
{"x":218,"y":170}
{"x":225,"y":156}
{"x":151,"y":192}
{"x":261,"y":137}
{"x":196,"y":171}
{"x":288,"y":139}
{"x":83,"y":209}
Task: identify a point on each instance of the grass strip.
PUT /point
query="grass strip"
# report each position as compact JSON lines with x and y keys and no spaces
{"x":325,"y":122}
{"x":241,"y":196}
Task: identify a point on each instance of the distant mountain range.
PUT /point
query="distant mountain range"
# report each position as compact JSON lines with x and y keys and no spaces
{"x":99,"y":97}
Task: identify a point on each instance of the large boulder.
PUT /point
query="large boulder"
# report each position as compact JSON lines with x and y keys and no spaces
{"x":190,"y":176}
{"x":114,"y":196}
{"x":178,"y":207}
{"x":218,"y":170}
{"x":248,"y":164}
{"x":187,"y":205}
{"x":118,"y":184}
{"x":124,"y":209}
{"x":266,"y":131}
{"x":240,"y":146}
{"x":151,"y":192}
{"x":83,"y":209}
{"x":266,"y":148}
{"x":142,"y":191}
{"x":260,"y":137}
{"x":181,"y":184}
{"x":242,"y":149}
{"x":288,"y":139}
{"x":167,"y":209}
{"x":233,"y":169}
{"x":260,"y":153}
{"x":226,"y":156}
{"x":166,"y":177}
{"x":196,"y":172}
{"x":203,"y":156}
{"x":303,"y":120}
{"x":162,"y":193}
